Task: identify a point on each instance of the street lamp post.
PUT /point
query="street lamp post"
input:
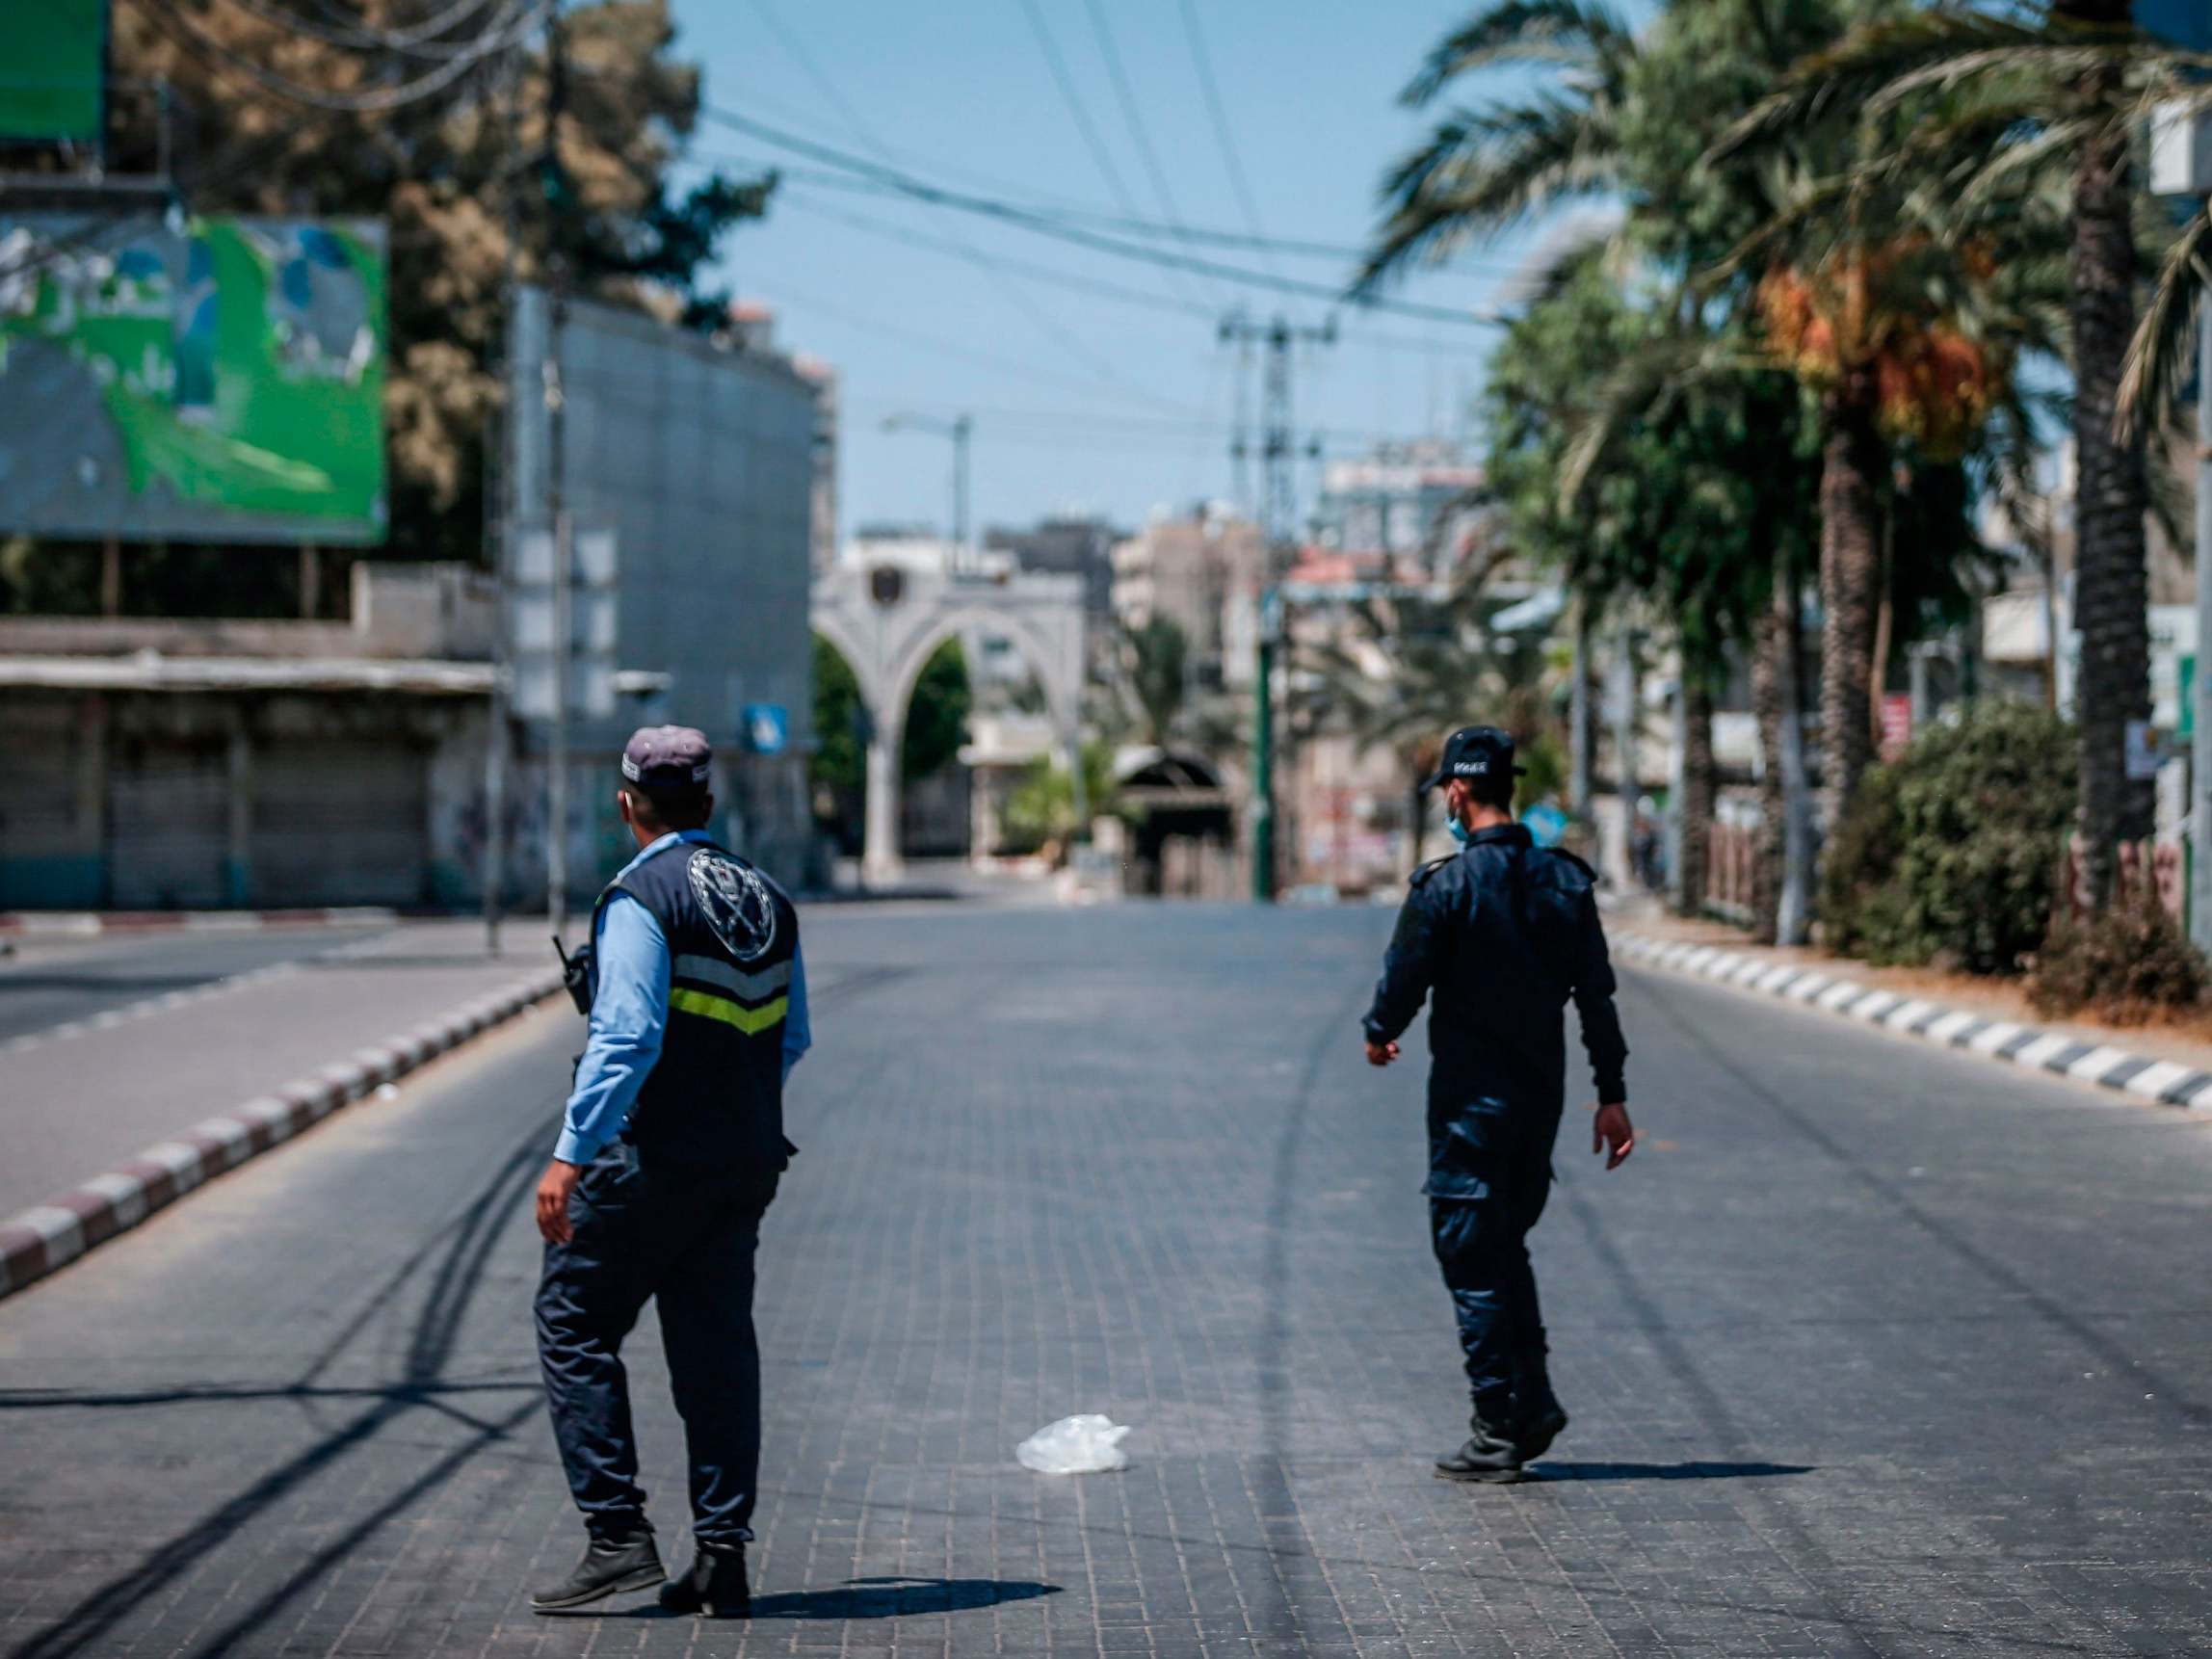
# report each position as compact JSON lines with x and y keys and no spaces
{"x":959,"y":429}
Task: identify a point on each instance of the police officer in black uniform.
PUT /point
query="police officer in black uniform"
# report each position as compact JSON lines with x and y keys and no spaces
{"x":1500,"y":935}
{"x":669,"y":1154}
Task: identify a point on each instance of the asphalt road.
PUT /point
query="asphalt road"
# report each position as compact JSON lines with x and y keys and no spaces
{"x":48,"y":983}
{"x":1872,"y":1349}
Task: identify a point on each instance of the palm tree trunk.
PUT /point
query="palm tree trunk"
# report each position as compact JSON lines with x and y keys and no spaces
{"x":1768,"y":645}
{"x":2111,"y":581}
{"x":1697,"y":818}
{"x":1793,"y":921}
{"x":1850,"y":575}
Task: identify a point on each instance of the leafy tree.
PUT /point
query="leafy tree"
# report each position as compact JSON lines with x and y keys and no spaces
{"x":840,"y":759}
{"x":2048,"y":95}
{"x":1155,"y":668}
{"x":445,"y":167}
{"x":1878,"y":317}
{"x":936,"y":714}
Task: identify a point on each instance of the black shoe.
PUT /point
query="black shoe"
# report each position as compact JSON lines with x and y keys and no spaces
{"x":1538,"y":1420}
{"x":715,"y":1587}
{"x":1490,"y":1456}
{"x":609,"y":1565}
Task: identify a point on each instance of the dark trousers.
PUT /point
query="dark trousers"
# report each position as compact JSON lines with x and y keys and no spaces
{"x":1481,"y":1242}
{"x":687,"y":1242}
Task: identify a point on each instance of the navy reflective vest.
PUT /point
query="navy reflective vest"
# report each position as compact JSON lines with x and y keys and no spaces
{"x":713,"y":1103}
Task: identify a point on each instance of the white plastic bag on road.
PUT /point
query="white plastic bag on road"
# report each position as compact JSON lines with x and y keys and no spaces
{"x":1084,"y":1446}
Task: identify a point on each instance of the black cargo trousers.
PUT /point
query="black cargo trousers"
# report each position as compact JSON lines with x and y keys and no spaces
{"x":1481,"y":1209}
{"x":686,"y":1241}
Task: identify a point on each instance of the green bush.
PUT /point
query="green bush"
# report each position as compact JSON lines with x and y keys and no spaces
{"x":1951,"y":854}
{"x":2123,"y":964}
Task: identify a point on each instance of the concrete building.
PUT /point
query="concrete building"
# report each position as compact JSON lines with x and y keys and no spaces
{"x":1202,"y":570}
{"x":695,"y":466}
{"x":1409,"y":503}
{"x":1067,"y":546}
{"x":150,"y":763}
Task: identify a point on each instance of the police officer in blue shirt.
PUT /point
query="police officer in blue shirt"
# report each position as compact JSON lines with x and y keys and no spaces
{"x":1499,"y":937}
{"x":669,"y":1156}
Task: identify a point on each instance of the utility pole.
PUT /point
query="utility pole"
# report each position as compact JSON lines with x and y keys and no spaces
{"x":498,"y":528}
{"x":2201,"y":733}
{"x":960,"y":429}
{"x":557,"y":477}
{"x":1279,"y":524}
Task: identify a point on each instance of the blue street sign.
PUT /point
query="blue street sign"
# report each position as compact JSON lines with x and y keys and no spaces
{"x":767,"y":728}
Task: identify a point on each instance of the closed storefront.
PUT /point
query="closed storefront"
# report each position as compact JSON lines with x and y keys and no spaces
{"x":339,"y":820}
{"x":49,"y":844}
{"x":168,"y":822}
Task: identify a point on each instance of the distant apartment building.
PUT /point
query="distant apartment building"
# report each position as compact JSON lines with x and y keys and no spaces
{"x":1410,"y":504}
{"x":1203,"y":570}
{"x":1066,"y":546}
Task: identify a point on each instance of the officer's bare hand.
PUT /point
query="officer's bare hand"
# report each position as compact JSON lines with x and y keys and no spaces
{"x":1381,"y":1053}
{"x":1610,"y":1133}
{"x":554,"y":1189}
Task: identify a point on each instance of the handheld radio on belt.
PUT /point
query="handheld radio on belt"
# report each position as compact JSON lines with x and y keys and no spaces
{"x":576,"y":974}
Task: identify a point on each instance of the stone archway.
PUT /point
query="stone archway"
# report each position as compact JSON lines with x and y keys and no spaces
{"x":886,"y":622}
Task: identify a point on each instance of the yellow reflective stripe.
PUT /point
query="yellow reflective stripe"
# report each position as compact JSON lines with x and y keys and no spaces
{"x":752,"y":1021}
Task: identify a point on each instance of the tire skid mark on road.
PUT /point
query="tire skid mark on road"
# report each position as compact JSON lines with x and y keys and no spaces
{"x":468,"y":1239}
{"x":2171,"y":1400}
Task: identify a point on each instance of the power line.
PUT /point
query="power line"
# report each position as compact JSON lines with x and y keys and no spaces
{"x":521,"y":16}
{"x":359,"y":36}
{"x":906,"y":184}
{"x":1080,"y":112}
{"x":1134,"y":118}
{"x":1223,"y":133}
{"x":1050,"y":326}
{"x":1075,"y":282}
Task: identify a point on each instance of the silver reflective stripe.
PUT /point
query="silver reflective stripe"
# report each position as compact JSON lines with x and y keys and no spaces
{"x":709,"y":970}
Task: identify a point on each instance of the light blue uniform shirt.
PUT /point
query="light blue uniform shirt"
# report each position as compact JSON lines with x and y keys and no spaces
{"x":630,"y":1010}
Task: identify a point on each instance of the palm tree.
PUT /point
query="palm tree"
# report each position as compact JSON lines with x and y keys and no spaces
{"x":2054,"y":92}
{"x":1625,"y":122}
{"x":1155,"y":665}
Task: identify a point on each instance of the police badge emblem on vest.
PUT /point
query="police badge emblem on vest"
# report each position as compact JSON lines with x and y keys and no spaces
{"x":734,"y":901}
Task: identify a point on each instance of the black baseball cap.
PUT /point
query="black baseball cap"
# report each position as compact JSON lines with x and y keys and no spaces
{"x":1476,"y":752}
{"x":668,"y":758}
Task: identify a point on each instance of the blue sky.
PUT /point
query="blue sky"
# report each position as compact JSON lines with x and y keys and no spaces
{"x":1081,"y":400}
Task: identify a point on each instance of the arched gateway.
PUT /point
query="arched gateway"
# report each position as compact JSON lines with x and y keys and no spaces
{"x":886,"y":622}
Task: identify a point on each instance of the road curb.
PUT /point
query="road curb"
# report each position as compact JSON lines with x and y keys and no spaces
{"x":36,"y":1242}
{"x":90,"y":923}
{"x":2143,"y":1076}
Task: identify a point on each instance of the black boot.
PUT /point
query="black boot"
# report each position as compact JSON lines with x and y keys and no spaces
{"x":715,"y":1587}
{"x":1537,"y":1417}
{"x":618,"y":1561}
{"x":1490,"y":1456}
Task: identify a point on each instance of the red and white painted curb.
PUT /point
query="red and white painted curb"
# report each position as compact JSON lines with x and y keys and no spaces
{"x":45,"y":1236}
{"x":89,"y":924}
{"x":2145,"y":1076}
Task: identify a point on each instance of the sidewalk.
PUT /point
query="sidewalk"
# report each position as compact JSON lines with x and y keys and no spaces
{"x":2170,"y":1063}
{"x":121,"y":1114}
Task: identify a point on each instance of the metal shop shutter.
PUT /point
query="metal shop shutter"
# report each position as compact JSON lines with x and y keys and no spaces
{"x":340,"y":821}
{"x":39,"y":841}
{"x":168,"y":814}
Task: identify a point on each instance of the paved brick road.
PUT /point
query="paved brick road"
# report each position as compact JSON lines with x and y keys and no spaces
{"x":1873,"y":1349}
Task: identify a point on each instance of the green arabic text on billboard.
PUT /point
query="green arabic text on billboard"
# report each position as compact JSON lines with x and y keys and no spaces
{"x":192,"y":379}
{"x":54,"y":71}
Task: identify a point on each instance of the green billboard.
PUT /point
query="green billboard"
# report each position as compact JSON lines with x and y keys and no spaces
{"x":192,"y":379}
{"x":54,"y":71}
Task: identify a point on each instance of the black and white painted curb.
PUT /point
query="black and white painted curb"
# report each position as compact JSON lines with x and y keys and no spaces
{"x":45,"y":1236}
{"x":90,"y":923}
{"x":2168,"y":1082}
